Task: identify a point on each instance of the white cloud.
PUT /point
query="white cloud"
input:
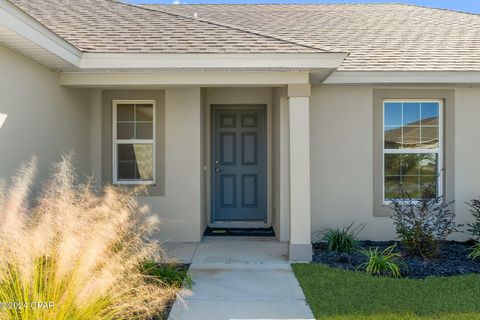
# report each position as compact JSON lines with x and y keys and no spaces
{"x":176,"y":2}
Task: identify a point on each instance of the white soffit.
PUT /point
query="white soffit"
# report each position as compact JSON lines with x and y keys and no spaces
{"x":24,"y":34}
{"x":29,"y":49}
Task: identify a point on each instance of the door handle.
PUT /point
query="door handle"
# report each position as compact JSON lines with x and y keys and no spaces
{"x":217,"y":166}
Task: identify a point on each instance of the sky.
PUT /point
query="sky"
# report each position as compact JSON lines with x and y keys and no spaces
{"x":472,"y":6}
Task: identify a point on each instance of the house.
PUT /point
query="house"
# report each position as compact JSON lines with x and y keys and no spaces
{"x":292,"y":116}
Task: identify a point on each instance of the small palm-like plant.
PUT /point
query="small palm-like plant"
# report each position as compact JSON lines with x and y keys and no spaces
{"x":475,"y":253}
{"x":385,"y":262}
{"x":343,"y":239}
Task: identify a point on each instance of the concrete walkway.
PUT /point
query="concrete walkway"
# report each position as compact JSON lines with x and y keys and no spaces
{"x":238,"y":278}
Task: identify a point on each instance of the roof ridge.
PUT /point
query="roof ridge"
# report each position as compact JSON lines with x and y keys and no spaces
{"x":440,"y":9}
{"x":226,"y":26}
{"x":263,"y":4}
{"x":311,"y":4}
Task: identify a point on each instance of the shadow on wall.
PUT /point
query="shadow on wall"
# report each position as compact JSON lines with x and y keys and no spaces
{"x":3,"y":117}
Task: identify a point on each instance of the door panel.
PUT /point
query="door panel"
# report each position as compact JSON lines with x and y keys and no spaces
{"x":228,"y":148}
{"x":228,"y":193}
{"x":239,"y":177}
{"x":249,"y":148}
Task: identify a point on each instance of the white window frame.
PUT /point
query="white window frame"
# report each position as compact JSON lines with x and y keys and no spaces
{"x":116,"y":142}
{"x":439,"y":151}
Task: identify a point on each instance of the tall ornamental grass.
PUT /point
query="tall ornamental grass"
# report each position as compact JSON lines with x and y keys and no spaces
{"x":75,"y":254}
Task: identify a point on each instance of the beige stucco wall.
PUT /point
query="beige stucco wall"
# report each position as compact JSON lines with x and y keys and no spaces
{"x":179,"y":205}
{"x":180,"y":209}
{"x":341,"y":141}
{"x":467,"y":149}
{"x":43,"y":118}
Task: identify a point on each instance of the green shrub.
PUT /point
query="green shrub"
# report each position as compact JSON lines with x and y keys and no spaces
{"x":475,"y":253}
{"x":474,"y":227}
{"x":385,"y":262}
{"x":422,"y":223}
{"x":76,"y":251}
{"x":170,"y":273}
{"x":344,"y":239}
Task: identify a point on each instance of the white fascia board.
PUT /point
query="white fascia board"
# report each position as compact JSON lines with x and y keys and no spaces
{"x":160,"y":79}
{"x":112,"y":61}
{"x":403,"y":77}
{"x":18,"y":21}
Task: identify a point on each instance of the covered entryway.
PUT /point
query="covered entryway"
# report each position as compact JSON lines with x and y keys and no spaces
{"x":275,"y":127}
{"x":239,"y":163}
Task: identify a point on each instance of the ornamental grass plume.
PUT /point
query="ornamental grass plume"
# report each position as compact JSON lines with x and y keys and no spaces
{"x":75,"y":254}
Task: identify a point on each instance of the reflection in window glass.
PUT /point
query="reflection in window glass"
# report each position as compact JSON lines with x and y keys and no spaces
{"x":411,"y":114}
{"x":393,"y":137}
{"x":411,"y":147}
{"x":430,"y":113}
{"x":144,"y":112}
{"x":393,"y":114}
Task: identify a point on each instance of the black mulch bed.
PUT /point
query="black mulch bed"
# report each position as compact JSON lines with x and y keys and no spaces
{"x":451,"y":261}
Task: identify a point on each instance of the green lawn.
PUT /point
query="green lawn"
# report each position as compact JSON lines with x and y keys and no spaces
{"x":335,"y":294}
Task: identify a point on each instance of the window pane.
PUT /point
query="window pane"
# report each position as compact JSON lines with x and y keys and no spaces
{"x":127,"y":170}
{"x":393,"y":137}
{"x":430,"y":112}
{"x":125,"y":112}
{"x":125,"y":131}
{"x":144,"y":112}
{"x":410,"y":165}
{"x":425,"y":182}
{"x":411,"y":114}
{"x":411,"y":185}
{"x":411,"y":137}
{"x":392,"y":165}
{"x":126,"y":152}
{"x":135,"y":162}
{"x":392,"y":187}
{"x":415,"y":172}
{"x":428,"y":164}
{"x":393,"y":114}
{"x":144,"y":131}
{"x":430,"y":137}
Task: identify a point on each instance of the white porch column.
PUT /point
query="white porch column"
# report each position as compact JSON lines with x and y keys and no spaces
{"x":300,"y":246}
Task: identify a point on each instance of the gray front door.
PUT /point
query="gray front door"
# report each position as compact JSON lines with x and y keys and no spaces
{"x":239,"y":179}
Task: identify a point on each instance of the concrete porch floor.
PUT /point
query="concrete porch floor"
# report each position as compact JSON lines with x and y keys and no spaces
{"x":238,"y":278}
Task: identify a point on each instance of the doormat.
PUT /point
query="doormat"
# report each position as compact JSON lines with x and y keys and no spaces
{"x":239,"y":232}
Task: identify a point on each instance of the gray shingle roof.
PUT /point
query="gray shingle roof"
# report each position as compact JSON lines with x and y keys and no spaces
{"x":379,"y":37}
{"x":114,"y":27}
